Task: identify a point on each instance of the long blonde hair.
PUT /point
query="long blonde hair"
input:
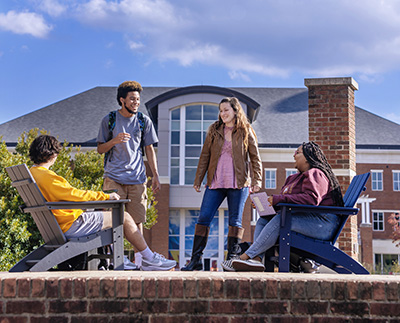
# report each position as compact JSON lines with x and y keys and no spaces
{"x":242,"y":124}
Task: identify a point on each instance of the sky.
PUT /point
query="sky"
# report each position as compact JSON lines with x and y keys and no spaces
{"x":53,"y":49}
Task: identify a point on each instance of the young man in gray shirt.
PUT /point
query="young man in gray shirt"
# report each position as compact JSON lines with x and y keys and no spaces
{"x":123,"y":137}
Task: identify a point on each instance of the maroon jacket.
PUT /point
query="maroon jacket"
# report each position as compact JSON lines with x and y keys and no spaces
{"x":311,"y":187}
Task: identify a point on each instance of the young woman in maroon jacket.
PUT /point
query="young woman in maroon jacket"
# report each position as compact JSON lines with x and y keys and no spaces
{"x":314,"y":184}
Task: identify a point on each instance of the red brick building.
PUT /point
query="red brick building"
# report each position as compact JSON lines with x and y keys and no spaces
{"x":354,"y":140}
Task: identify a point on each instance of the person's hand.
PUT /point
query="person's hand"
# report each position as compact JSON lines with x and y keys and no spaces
{"x":197,"y":188}
{"x":114,"y":196}
{"x":155,"y":184}
{"x":122,"y":137}
{"x":254,"y":189}
{"x":270,"y":199}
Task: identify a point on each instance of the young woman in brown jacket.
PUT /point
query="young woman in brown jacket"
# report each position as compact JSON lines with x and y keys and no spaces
{"x":228,"y":152}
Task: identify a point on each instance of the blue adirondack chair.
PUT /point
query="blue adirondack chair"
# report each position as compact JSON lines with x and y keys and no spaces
{"x":322,"y":251}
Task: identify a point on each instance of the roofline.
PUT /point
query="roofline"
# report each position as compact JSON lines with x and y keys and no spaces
{"x":290,"y":145}
{"x":253,"y":106}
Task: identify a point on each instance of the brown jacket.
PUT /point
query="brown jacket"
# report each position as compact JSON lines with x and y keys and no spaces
{"x":212,"y":150}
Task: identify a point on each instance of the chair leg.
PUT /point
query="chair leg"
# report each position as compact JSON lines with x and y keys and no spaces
{"x":270,"y":259}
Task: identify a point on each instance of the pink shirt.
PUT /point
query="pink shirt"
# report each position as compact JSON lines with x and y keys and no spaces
{"x":224,"y":176}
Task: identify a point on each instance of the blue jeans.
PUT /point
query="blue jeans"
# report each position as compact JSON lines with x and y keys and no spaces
{"x":212,"y":200}
{"x":314,"y":225}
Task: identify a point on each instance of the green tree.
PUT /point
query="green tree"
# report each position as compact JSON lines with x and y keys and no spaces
{"x":18,"y":232}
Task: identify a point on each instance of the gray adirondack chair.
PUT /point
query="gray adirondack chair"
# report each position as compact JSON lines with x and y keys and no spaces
{"x":57,"y":248}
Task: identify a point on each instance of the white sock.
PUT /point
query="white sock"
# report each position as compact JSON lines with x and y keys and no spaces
{"x":146,"y":254}
{"x":138,"y":259}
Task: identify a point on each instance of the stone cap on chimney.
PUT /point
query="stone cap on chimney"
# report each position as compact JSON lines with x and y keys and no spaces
{"x":332,"y":81}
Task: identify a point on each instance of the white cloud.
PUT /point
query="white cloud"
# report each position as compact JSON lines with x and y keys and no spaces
{"x":235,"y":75}
{"x":269,"y":37}
{"x":52,"y":7}
{"x":109,"y":64}
{"x":24,"y":23}
{"x":135,"y":15}
{"x":135,"y":45}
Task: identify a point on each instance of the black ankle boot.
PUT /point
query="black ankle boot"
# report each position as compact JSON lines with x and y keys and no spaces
{"x":195,"y":263}
{"x":235,"y":235}
{"x":199,"y":243}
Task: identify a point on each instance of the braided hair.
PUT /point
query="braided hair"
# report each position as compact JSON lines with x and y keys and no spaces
{"x":316,"y":158}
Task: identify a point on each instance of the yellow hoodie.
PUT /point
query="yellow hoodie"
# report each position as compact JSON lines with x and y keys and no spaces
{"x":56,"y":188}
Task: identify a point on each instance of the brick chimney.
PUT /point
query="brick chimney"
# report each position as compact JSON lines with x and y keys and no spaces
{"x":331,"y":117}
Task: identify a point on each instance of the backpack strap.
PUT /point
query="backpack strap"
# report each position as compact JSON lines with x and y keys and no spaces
{"x":112,"y":116}
{"x":142,"y":125}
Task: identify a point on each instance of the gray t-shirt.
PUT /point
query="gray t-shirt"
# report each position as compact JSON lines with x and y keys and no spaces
{"x":125,"y":164}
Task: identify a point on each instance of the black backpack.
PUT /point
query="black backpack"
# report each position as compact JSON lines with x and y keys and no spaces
{"x":112,"y":116}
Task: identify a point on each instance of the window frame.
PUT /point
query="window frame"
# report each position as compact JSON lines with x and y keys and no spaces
{"x":183,"y":168}
{"x":265,"y":177}
{"x":376,"y":222}
{"x":184,"y":254}
{"x":398,"y":180}
{"x":291,"y":170}
{"x":375,"y":182}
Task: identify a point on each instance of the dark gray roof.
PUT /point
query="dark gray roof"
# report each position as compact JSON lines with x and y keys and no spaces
{"x":283,"y":115}
{"x":281,"y":121}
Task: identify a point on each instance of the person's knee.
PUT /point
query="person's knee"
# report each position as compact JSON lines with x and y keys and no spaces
{"x":128,"y":221}
{"x":107,"y":220}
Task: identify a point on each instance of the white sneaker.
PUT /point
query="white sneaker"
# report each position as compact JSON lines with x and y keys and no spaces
{"x":129,"y":265}
{"x":159,"y":262}
{"x":247,"y":265}
{"x":227,"y":264}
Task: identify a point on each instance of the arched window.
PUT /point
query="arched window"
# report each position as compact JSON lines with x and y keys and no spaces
{"x":189,"y":126}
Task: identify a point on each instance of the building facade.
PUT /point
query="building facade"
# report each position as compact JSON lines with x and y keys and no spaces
{"x":355,"y":141}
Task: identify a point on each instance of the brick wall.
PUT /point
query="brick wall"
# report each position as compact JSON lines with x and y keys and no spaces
{"x":197,"y":297}
{"x":331,"y":118}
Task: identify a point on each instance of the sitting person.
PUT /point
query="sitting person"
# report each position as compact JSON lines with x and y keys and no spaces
{"x":76,"y":223}
{"x":314,"y":184}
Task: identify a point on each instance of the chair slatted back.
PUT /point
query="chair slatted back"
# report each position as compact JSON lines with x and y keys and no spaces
{"x":27,"y":188}
{"x":355,"y":188}
{"x":353,"y":192}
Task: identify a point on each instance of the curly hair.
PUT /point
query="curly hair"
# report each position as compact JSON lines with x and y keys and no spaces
{"x":126,"y":87}
{"x":242,"y":124}
{"x":316,"y":158}
{"x":43,"y":148}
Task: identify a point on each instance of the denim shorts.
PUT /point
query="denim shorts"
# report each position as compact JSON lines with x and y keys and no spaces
{"x":87,"y":223}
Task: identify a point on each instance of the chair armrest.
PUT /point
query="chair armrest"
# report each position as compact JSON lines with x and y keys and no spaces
{"x":338,"y":210}
{"x":107,"y":204}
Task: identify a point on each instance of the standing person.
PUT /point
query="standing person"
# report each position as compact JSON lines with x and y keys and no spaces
{"x":230,"y":143}
{"x":75,"y":223}
{"x":123,"y":136}
{"x":314,"y":184}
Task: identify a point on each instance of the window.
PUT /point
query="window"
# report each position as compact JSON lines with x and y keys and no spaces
{"x":290,"y":171}
{"x":270,"y":178}
{"x":386,"y":263}
{"x":182,"y":224}
{"x":377,"y":180}
{"x":396,"y":180}
{"x":189,"y":125}
{"x":377,"y":220}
